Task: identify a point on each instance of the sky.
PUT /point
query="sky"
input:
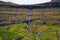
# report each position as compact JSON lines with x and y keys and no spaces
{"x":27,"y":2}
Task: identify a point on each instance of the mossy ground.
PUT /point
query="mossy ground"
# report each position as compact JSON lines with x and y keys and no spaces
{"x":16,"y":30}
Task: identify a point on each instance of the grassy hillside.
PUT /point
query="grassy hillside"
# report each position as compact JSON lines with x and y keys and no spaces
{"x":45,"y":32}
{"x":45,"y":24}
{"x":50,"y":15}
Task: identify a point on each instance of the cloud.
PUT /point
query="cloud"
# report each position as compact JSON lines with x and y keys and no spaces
{"x":27,"y":2}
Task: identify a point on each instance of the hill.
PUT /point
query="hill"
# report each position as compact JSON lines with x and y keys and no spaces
{"x":46,"y":12}
{"x":45,"y":21}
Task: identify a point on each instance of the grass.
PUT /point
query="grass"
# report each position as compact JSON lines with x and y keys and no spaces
{"x":8,"y":35}
{"x":50,"y":33}
{"x":14,"y":29}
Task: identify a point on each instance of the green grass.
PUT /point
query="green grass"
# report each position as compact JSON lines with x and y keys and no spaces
{"x":16,"y":30}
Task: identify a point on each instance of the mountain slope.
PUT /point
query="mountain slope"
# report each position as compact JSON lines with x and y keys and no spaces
{"x":10,"y":12}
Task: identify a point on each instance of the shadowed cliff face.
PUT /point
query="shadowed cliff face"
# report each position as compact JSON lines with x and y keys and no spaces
{"x":55,"y":0}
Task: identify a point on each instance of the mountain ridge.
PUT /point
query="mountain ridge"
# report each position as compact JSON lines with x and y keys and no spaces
{"x":44,"y":5}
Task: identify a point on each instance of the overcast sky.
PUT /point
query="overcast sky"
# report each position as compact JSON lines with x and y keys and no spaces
{"x":27,"y":2}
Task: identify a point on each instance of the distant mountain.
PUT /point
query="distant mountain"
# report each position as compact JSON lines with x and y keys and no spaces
{"x":44,"y":5}
{"x":51,"y":4}
{"x":55,"y":1}
{"x":6,"y":3}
